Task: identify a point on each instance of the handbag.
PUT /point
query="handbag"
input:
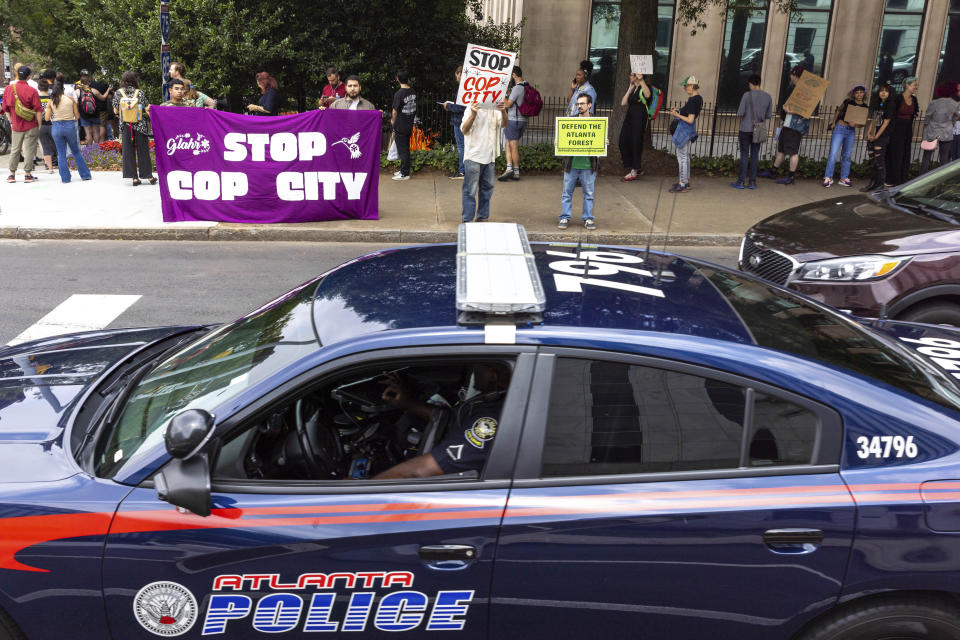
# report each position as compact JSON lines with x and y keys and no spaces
{"x":928,"y":145}
{"x":21,"y":110}
{"x":759,"y":135}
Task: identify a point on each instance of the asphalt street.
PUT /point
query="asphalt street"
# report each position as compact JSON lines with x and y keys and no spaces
{"x":178,"y":282}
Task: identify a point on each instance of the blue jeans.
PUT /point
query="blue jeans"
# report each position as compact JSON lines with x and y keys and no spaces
{"x":749,"y":153}
{"x":458,"y":136}
{"x":477,"y":177}
{"x":586,"y":178}
{"x":65,"y":135}
{"x":841,"y":144}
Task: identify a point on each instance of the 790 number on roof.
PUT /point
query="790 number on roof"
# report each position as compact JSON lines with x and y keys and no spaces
{"x":590,"y":268}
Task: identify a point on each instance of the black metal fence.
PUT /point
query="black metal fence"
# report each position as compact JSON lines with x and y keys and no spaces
{"x":717,"y":128}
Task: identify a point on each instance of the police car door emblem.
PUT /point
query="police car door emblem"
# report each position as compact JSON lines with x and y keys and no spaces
{"x":482,"y":430}
{"x":165,"y":608}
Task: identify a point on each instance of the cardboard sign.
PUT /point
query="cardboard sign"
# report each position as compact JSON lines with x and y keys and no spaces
{"x":807,"y":94}
{"x":580,"y":137}
{"x":856,"y":115}
{"x":486,"y":74}
{"x":641,"y":64}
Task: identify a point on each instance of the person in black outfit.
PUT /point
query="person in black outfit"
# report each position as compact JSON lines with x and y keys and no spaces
{"x":269,"y":104}
{"x":401,"y":117}
{"x":635,"y":100}
{"x":898,"y":151}
{"x":878,"y":137}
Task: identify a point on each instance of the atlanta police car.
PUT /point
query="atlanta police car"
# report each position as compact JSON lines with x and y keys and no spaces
{"x":489,"y":440}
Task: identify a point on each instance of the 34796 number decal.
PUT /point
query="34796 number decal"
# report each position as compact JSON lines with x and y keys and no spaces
{"x":886,"y":447}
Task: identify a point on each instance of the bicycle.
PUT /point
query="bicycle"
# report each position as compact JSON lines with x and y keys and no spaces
{"x":6,"y":134}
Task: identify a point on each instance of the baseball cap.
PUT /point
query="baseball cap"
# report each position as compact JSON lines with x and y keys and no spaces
{"x":24,"y":72}
{"x":84,"y":72}
{"x":858,"y":86}
{"x":689,"y":80}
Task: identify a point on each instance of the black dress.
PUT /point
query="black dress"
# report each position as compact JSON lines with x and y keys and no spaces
{"x":631,"y":134}
{"x":901,"y":140}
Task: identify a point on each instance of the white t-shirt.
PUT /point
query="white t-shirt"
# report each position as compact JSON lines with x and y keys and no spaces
{"x":481,"y":144}
{"x":70,"y":90}
{"x":354,"y":104}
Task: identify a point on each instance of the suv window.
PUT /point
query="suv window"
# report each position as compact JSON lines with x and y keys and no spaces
{"x":614,"y":418}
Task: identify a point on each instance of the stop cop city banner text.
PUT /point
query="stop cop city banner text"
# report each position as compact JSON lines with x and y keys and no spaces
{"x":320,"y":165}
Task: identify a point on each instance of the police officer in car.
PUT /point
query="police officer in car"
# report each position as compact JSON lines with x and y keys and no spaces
{"x":472,"y":424}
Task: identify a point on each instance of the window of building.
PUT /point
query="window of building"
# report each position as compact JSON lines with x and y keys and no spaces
{"x":949,"y":66}
{"x":605,"y":37}
{"x":743,"y":43}
{"x":806,"y":40}
{"x":899,"y":42}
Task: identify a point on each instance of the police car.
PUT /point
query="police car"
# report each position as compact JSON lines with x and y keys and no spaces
{"x":491,"y":439}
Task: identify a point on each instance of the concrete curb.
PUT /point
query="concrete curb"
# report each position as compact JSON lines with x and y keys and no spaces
{"x":286,"y":233}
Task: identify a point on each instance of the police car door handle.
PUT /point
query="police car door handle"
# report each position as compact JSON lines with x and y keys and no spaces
{"x":448,"y":552}
{"x":793,"y":540}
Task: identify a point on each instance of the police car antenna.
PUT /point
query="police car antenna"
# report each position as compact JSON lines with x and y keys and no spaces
{"x":656,"y":207}
{"x":666,"y":236}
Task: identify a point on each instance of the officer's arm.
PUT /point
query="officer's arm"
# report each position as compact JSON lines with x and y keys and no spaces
{"x":423,"y":466}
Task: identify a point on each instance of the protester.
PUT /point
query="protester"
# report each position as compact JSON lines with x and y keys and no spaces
{"x":269,"y":104}
{"x":21,"y":102}
{"x":901,"y":137}
{"x":103,"y":96}
{"x":87,"y":101}
{"x":456,"y":119}
{"x":134,"y":145}
{"x":580,"y":85}
{"x":47,"y":145}
{"x":516,"y":123}
{"x":878,"y":137}
{"x":334,"y":90}
{"x":792,"y":131}
{"x":844,"y":137}
{"x":686,"y":131}
{"x":634,"y":124}
{"x":756,"y":107}
{"x":481,"y":142}
{"x":30,"y":81}
{"x":178,"y":92}
{"x":401,"y":117}
{"x":352,"y":100}
{"x":938,"y":125}
{"x":579,"y":169}
{"x":193,"y":96}
{"x":63,"y":112}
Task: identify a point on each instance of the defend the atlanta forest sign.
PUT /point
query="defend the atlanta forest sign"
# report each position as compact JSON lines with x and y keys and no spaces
{"x":486,"y":74}
{"x":315,"y":166}
{"x":580,"y":137}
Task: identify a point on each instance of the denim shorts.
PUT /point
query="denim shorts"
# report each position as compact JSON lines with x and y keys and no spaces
{"x":514,"y":129}
{"x":93,"y":121}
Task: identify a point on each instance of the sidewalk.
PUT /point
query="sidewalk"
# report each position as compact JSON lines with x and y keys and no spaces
{"x":423,"y":209}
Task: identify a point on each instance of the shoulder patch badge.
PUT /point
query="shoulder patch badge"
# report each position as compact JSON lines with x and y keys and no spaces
{"x":482,"y":430}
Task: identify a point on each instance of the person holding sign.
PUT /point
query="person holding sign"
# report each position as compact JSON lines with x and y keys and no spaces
{"x":580,"y":86}
{"x":634,"y":123}
{"x":794,"y":128}
{"x":582,"y":169}
{"x":481,"y":142}
{"x":850,"y":116}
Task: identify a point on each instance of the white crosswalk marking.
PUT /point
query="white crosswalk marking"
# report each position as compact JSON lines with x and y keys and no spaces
{"x":79,"y":312}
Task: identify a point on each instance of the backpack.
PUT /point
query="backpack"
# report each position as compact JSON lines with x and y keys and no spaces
{"x":88,"y":105}
{"x":130,"y":110}
{"x":656,"y":101}
{"x":532,"y":101}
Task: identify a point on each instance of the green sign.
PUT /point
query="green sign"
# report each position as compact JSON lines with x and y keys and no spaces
{"x":580,"y":137}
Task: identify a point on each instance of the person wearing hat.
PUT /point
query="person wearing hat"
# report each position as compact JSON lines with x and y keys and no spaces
{"x":21,"y":102}
{"x":901,"y":137}
{"x":844,"y":137}
{"x":685,"y":132}
{"x":794,"y":128}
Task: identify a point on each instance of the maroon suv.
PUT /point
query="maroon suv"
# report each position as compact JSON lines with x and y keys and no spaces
{"x":893,"y":253}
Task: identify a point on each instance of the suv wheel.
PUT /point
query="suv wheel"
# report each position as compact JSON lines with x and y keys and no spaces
{"x":938,"y":312}
{"x":927,"y":618}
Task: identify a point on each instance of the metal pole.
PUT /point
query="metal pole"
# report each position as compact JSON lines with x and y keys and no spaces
{"x":165,"y":57}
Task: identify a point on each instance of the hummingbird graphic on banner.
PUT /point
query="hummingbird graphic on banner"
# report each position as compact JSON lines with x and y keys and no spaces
{"x":351,"y":143}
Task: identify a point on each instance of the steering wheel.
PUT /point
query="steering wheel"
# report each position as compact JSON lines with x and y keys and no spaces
{"x":321,"y":446}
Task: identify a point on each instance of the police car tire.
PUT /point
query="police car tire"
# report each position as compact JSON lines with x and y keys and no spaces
{"x":914,"y":618}
{"x":9,"y":629}
{"x":937,"y":312}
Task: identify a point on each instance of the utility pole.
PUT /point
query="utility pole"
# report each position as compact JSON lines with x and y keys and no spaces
{"x":165,"y":57}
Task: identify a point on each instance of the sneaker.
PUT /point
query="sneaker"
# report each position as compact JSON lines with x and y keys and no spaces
{"x":564,"y":223}
{"x":515,"y":176}
{"x":683,"y":188}
{"x":673,"y":188}
{"x":589,"y":224}
{"x":630,"y":177}
{"x":845,"y":182}
{"x":737,"y":185}
{"x":30,"y":178}
{"x":506,"y":175}
{"x":766,"y":173}
{"x":397,"y":173}
{"x":456,"y":176}
{"x":868,"y":188}
{"x":400,"y":176}
{"x":827,"y":182}
{"x":785,"y":180}
{"x":11,"y":178}
{"x":752,"y":185}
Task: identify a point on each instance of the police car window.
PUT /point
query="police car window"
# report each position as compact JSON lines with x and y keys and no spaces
{"x":780,"y":320}
{"x":614,"y":418}
{"x":377,"y":421}
{"x":782,"y":432}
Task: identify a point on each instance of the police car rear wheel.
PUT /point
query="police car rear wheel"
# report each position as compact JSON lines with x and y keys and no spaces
{"x":927,"y":618}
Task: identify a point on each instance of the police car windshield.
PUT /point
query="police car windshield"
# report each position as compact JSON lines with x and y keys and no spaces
{"x":210,"y":371}
{"x":780,"y":320}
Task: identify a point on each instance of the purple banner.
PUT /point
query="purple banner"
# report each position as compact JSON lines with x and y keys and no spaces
{"x":320,"y":165}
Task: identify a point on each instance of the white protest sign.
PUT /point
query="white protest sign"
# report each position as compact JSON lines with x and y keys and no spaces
{"x":641,"y":64}
{"x":486,"y":74}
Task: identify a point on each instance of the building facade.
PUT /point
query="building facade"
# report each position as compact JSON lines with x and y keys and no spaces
{"x":848,"y":42}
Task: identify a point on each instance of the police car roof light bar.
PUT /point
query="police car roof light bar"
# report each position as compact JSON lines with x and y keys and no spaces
{"x":497,"y":274}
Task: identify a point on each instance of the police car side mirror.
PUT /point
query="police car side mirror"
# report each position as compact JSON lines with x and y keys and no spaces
{"x":185,"y":481}
{"x":187,"y":432}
